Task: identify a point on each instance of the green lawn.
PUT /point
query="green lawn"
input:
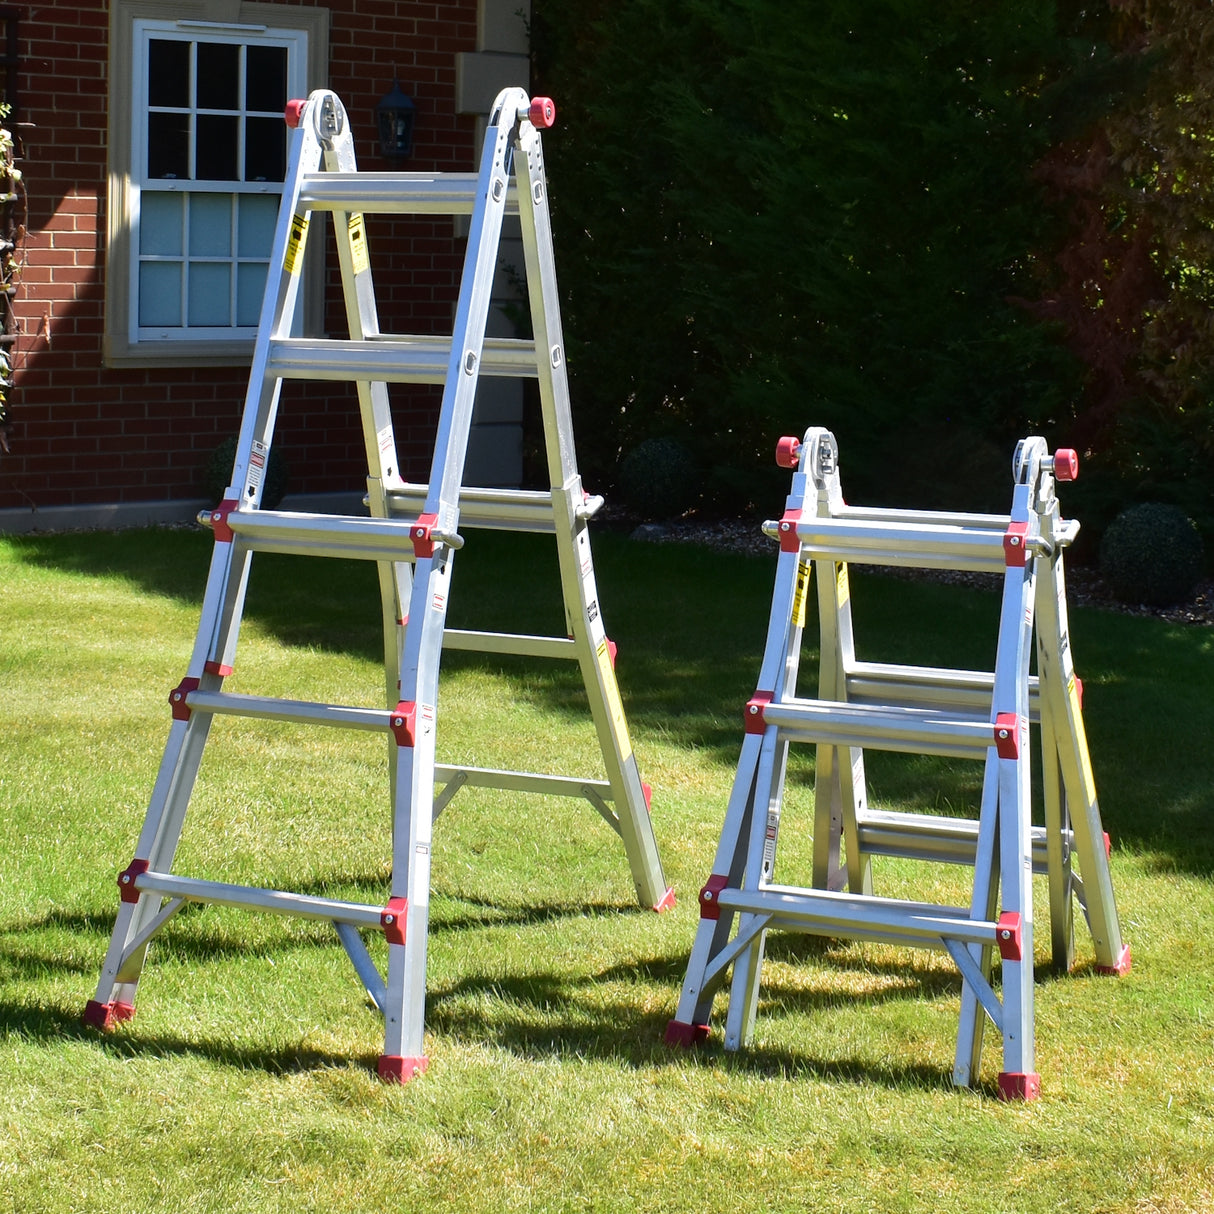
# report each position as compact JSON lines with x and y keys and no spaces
{"x":245,"y":1082}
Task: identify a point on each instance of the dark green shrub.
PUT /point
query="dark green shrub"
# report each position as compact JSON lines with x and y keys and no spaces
{"x":1152,"y":553}
{"x":218,"y":473}
{"x":658,"y":479}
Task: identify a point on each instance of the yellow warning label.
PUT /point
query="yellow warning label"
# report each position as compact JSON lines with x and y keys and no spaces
{"x":842,"y":589}
{"x":614,"y":706}
{"x":295,"y":244}
{"x":358,"y":243}
{"x":800,"y":596}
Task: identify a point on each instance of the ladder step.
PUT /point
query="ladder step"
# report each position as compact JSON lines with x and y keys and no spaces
{"x":917,"y":730}
{"x":397,"y":360}
{"x":337,"y":535}
{"x":944,"y":840}
{"x":269,"y":708}
{"x":928,"y":687}
{"x":510,"y":642}
{"x":395,"y":193}
{"x":522,"y":781}
{"x":891,"y":920}
{"x":304,"y":906}
{"x":493,"y":509}
{"x":907,"y":545}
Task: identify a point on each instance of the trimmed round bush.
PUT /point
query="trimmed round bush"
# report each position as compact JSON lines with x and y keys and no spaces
{"x":219,"y":471}
{"x":658,"y":479}
{"x":1152,"y":553}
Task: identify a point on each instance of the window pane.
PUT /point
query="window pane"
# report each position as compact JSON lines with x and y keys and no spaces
{"x":210,"y":293}
{"x":218,"y":76}
{"x":211,"y":225}
{"x":266,"y":83}
{"x":265,"y":153}
{"x":250,"y":287}
{"x":169,"y":145}
{"x":160,"y":294}
{"x":258,"y":218}
{"x":215,"y":158}
{"x":168,"y":72}
{"x":160,"y":224}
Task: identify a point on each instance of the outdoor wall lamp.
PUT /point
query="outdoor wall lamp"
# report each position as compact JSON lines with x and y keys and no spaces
{"x":394,"y":115}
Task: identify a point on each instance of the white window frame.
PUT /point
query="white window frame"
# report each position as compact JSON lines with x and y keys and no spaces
{"x":133,"y":22}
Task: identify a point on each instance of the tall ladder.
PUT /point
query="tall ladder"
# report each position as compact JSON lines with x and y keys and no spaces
{"x":927,"y":710}
{"x":412,"y":534}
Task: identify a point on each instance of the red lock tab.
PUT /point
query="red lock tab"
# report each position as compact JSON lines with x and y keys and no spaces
{"x":1015,"y":545}
{"x":393,"y":919}
{"x":1009,"y":933}
{"x":788,"y":531}
{"x":1007,"y":735}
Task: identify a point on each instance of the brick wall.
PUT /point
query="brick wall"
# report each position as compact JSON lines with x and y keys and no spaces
{"x":84,"y":433}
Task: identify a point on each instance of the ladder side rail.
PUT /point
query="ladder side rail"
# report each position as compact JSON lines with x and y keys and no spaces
{"x":584,"y":617}
{"x":1057,"y":674}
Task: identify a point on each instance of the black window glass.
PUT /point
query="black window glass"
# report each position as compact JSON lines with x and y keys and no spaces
{"x":169,"y":145}
{"x":266,"y":78}
{"x":265,"y":149}
{"x":218,"y":76}
{"x":215,"y":155}
{"x":168,"y":73}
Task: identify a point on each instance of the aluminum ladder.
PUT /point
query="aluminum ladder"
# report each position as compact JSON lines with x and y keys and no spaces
{"x":412,"y":534}
{"x":922,"y":710}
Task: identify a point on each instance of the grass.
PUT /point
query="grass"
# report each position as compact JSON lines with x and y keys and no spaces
{"x":245,"y":1082}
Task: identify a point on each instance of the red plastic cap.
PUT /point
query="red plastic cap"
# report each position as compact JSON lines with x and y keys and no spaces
{"x":105,"y":1016}
{"x":393,"y":1068}
{"x":1066,"y":464}
{"x":1019,"y":1085}
{"x":293,"y":113}
{"x":542,"y":112}
{"x":684,"y":1036}
{"x":665,"y":902}
{"x":1120,"y":967}
{"x":788,"y":451}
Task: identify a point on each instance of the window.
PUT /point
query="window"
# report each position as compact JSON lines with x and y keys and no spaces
{"x":198,"y":157}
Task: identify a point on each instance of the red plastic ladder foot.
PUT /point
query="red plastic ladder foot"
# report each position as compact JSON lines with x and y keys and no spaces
{"x":684,"y":1036}
{"x":104,"y":1016}
{"x":1019,"y":1085}
{"x":393,"y":1068}
{"x":1120,"y":967}
{"x":665,"y":902}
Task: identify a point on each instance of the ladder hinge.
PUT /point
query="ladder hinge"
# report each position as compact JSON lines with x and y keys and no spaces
{"x":219,"y":520}
{"x":1009,"y":933}
{"x":788,"y":531}
{"x":126,"y":880}
{"x":1015,"y":545}
{"x":1007,"y":735}
{"x":393,"y":919}
{"x":710,"y":908}
{"x":177,"y":699}
{"x":755,"y":708}
{"x":404,"y":722}
{"x":422,"y":534}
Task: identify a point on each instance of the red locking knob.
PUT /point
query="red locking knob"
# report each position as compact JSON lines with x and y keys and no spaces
{"x":788,"y":451}
{"x":294,"y":112}
{"x":1066,"y":464}
{"x":542,"y":112}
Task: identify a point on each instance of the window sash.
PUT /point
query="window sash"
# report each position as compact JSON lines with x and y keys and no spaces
{"x":188,"y":287}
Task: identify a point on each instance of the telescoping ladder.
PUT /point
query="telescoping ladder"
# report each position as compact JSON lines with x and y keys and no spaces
{"x":412,"y":535}
{"x":921,"y":710}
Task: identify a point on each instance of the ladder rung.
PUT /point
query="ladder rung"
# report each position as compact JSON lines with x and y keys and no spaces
{"x":268,"y":708}
{"x":909,"y":545}
{"x":338,"y":535}
{"x":397,"y":360}
{"x":917,"y":730}
{"x":395,"y":193}
{"x":493,"y":509}
{"x":305,"y":906}
{"x":824,"y":912}
{"x":928,"y":837}
{"x":522,"y":781}
{"x":510,"y":642}
{"x":927,"y":686}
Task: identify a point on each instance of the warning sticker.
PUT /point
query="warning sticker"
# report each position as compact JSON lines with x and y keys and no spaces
{"x":800,"y":594}
{"x":295,"y":244}
{"x":358,"y":243}
{"x":257,"y":465}
{"x":614,"y":706}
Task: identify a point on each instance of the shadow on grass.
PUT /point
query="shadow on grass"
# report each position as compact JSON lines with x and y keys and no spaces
{"x":690,"y":622}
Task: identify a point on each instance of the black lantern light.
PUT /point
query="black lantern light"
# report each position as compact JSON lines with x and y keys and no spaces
{"x":394,"y":113}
